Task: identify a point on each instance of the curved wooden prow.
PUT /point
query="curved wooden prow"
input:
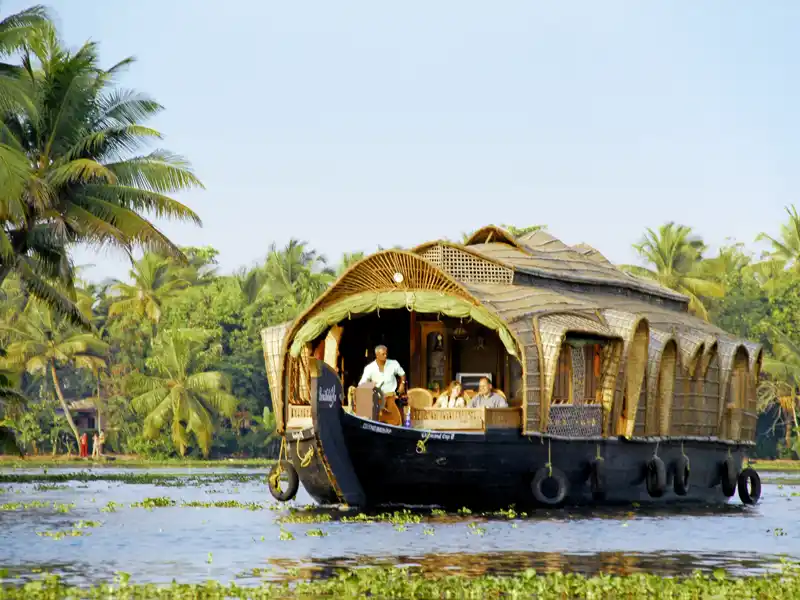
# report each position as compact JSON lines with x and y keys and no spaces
{"x":326,"y":413}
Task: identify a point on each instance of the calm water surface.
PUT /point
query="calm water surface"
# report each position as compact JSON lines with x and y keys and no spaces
{"x":195,"y":544}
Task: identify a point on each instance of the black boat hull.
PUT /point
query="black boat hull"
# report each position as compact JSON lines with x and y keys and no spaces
{"x":360,"y":462}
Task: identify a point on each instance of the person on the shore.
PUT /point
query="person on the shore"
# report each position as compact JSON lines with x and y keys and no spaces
{"x":83,"y":446}
{"x":95,"y":445}
{"x":101,"y":440}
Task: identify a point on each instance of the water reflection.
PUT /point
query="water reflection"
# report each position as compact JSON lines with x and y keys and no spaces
{"x":508,"y":563}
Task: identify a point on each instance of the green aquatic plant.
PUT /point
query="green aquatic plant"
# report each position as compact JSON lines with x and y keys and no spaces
{"x":59,"y":535}
{"x":151,"y":503}
{"x":110,"y":507}
{"x":394,"y":582}
{"x":223,"y":504}
{"x":285,"y":535}
{"x":316,"y":533}
{"x":296,"y":517}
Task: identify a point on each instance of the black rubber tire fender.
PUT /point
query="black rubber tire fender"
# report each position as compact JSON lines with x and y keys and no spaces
{"x":542,"y":475}
{"x":681,"y":477}
{"x":597,"y":478}
{"x":294,"y":482}
{"x":656,"y":477}
{"x":728,"y":474}
{"x":752,"y":495}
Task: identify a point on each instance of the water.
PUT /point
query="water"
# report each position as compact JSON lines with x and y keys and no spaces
{"x":227,"y":544}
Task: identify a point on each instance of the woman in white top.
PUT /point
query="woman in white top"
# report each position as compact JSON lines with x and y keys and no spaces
{"x":452,"y":397}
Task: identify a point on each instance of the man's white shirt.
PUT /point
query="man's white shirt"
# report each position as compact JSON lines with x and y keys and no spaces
{"x":387,"y":380}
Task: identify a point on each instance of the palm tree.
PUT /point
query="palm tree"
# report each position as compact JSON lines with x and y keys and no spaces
{"x":674,"y":257}
{"x":520,"y":231}
{"x":74,"y":171}
{"x":180,"y":393}
{"x":783,"y":385}
{"x":787,"y":247}
{"x":295,"y":274}
{"x":15,"y":31}
{"x":43,"y":342}
{"x":348,"y":260}
{"x":154,"y":281}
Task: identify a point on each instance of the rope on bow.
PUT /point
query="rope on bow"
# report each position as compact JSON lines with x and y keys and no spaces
{"x":655,"y":452}
{"x":549,"y":464}
{"x":421,"y":449}
{"x":275,"y":478}
{"x":304,"y":460}
{"x":683,"y":454}
{"x":597,"y":456}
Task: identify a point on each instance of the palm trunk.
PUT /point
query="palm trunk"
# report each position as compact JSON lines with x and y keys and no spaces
{"x":97,"y":406}
{"x":64,"y":403}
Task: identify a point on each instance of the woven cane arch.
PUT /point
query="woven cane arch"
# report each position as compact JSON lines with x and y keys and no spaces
{"x":492,"y":233}
{"x":552,"y":331}
{"x":736,"y":419}
{"x":635,"y":333}
{"x":376,"y":273}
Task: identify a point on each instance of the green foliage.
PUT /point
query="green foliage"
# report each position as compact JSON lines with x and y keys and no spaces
{"x":179,"y":392}
{"x":403,"y":582}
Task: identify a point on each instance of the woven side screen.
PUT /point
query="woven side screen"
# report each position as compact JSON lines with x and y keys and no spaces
{"x":466,"y":267}
{"x":737,"y":412}
{"x":272,"y":339}
{"x":686,"y":394}
{"x":299,"y":378}
{"x":640,"y":426}
{"x":571,"y":420}
{"x":708,"y":409}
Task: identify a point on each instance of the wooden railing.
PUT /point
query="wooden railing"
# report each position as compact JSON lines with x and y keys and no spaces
{"x":299,"y":417}
{"x":466,"y":419}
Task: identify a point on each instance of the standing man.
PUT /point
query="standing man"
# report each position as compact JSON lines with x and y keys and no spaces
{"x":486,"y":398}
{"x":387,"y":375}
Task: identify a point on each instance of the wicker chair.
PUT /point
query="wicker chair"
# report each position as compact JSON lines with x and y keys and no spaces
{"x":469,"y":394}
{"x":500,"y":393}
{"x":420,"y":398}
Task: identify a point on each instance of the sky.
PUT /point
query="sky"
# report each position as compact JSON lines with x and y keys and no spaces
{"x":351,"y":125}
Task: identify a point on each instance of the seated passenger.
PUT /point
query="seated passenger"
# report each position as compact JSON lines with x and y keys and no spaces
{"x":486,"y":398}
{"x":452,"y":397}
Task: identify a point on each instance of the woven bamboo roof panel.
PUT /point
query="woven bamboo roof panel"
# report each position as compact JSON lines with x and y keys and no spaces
{"x":552,"y":330}
{"x":591,"y":253}
{"x":515,"y":302}
{"x":465,"y":266}
{"x":570,"y":266}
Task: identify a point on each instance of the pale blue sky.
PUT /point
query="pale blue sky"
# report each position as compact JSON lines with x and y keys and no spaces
{"x":353,"y":124}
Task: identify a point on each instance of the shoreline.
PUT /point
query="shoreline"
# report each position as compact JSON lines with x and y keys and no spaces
{"x":137,"y":462}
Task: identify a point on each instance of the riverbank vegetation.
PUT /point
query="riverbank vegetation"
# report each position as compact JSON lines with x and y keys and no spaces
{"x":168,"y":360}
{"x":407,"y":583}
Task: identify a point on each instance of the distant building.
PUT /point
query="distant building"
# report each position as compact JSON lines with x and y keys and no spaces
{"x":83,"y":412}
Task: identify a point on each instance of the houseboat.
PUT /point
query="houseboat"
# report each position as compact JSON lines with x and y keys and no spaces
{"x":610,"y":390}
